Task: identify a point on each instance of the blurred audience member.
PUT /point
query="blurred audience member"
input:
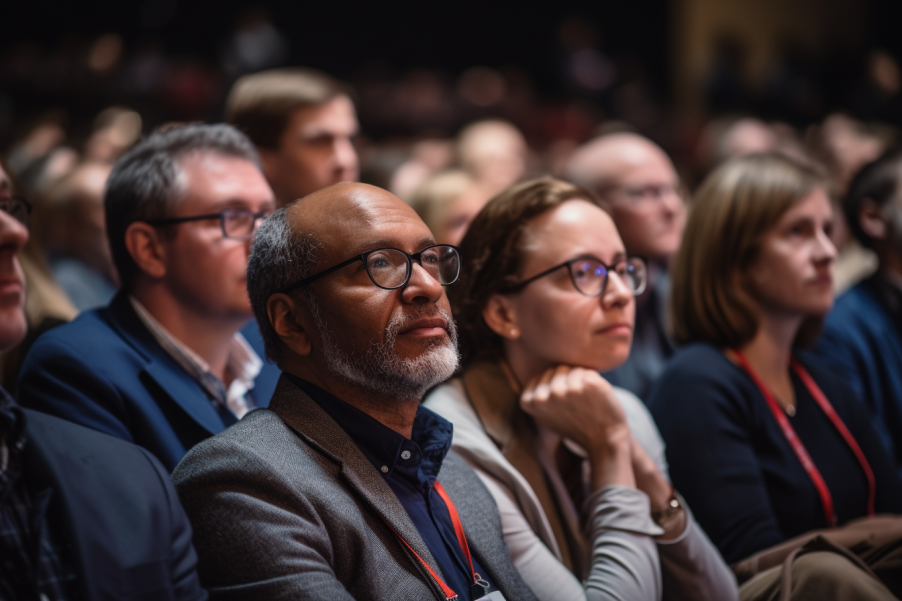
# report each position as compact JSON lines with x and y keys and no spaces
{"x":494,"y":153}
{"x":863,"y":334}
{"x":75,"y":238}
{"x":163,"y":365}
{"x":545,"y":302}
{"x":338,"y":490}
{"x":724,"y":139}
{"x":637,"y":184}
{"x":82,"y":515}
{"x":427,"y":157}
{"x":764,"y":443}
{"x":447,"y":203}
{"x":303,"y":124}
{"x":116,"y":129}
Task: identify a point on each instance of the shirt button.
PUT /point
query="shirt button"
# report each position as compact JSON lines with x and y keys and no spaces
{"x":405,"y":455}
{"x":384,"y":469}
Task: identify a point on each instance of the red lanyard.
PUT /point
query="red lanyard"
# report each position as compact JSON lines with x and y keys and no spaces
{"x":459,"y":531}
{"x":796,"y":444}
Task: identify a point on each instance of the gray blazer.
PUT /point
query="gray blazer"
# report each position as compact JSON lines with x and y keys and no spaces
{"x":284,"y":505}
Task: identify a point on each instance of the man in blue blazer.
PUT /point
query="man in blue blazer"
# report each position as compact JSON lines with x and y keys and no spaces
{"x":82,"y":514}
{"x":164,"y":365}
{"x":863,"y":334}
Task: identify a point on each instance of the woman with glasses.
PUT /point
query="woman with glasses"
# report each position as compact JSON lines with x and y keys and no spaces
{"x":545,"y":302}
{"x":763,"y":443}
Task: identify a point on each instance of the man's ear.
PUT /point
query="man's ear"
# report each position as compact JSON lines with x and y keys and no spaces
{"x":288,"y":318}
{"x":501,"y":316}
{"x":872,"y":220}
{"x":146,"y":248}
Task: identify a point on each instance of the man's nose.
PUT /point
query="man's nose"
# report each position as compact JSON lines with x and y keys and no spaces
{"x":345,"y":154}
{"x":421,"y":287}
{"x":13,"y":233}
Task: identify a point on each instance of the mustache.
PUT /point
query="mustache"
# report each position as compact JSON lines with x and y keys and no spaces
{"x":399,"y":322}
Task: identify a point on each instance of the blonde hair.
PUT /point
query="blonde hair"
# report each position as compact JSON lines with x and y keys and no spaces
{"x":734,"y":208}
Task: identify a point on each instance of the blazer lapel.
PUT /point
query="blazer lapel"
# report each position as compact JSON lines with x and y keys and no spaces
{"x":311,"y":423}
{"x":515,"y":434}
{"x":165,"y":372}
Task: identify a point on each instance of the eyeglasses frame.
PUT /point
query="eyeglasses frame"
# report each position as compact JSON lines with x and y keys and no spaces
{"x":25,"y":203}
{"x":569,"y":265}
{"x":220,"y":215}
{"x":362,"y":257}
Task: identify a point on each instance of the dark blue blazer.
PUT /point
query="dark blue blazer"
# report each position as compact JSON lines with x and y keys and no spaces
{"x":106,"y":371}
{"x":862,"y":342}
{"x":114,"y":510}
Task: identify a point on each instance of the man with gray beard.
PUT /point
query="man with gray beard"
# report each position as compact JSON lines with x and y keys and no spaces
{"x":345,"y":487}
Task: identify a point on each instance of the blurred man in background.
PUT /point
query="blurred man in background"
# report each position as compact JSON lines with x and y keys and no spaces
{"x":164,"y":365}
{"x":637,"y":184}
{"x":303,"y":124}
{"x":862,"y":337}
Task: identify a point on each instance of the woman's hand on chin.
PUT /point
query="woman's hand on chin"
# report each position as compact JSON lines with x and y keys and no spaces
{"x":579,"y":404}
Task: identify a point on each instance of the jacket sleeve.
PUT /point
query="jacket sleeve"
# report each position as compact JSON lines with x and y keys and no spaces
{"x":691,"y":568}
{"x":183,"y":559}
{"x":59,"y":379}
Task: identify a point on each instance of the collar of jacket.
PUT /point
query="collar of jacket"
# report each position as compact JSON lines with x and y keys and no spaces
{"x":514,"y":432}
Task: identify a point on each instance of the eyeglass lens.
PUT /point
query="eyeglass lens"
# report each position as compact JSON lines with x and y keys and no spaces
{"x":15,"y":207}
{"x":590,"y":277}
{"x":389,"y":268}
{"x":238,"y":223}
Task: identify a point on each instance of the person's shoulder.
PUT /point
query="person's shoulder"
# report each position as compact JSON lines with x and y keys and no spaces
{"x":857,"y":307}
{"x":90,"y":330}
{"x":696,"y":362}
{"x":449,"y":400}
{"x":259,"y":444}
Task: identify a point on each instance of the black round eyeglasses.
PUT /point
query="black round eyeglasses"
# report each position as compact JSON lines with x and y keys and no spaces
{"x":390,"y":268}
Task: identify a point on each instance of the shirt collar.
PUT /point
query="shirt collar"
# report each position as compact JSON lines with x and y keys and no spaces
{"x":417,"y":459}
{"x":243,"y":363}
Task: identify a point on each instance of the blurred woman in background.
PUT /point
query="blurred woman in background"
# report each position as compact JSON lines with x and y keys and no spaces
{"x":763,"y":443}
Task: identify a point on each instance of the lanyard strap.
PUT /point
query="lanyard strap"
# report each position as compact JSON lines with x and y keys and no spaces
{"x":799,"y":448}
{"x":827,"y":408}
{"x":461,"y":539}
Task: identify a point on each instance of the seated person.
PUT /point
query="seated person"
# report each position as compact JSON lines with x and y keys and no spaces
{"x":82,"y":515}
{"x":862,"y":338}
{"x":345,"y":488}
{"x":546,"y":301}
{"x":748,"y":293}
{"x":164,"y":365}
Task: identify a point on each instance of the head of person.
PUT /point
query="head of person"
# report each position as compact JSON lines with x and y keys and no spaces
{"x":493,"y":152}
{"x":76,"y":217}
{"x":358,"y":301}
{"x":447,"y":203}
{"x":545,"y":281}
{"x":873,"y":208}
{"x":637,"y":184}
{"x":303,"y":124}
{"x":760,"y":228}
{"x":13,"y":236}
{"x":181,"y":208}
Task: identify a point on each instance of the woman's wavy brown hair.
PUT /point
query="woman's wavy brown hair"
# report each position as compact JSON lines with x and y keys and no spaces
{"x":492,"y":257}
{"x":734,"y":208}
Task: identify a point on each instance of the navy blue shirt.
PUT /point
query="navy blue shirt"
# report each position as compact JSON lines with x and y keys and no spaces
{"x":732,"y":463}
{"x":410,"y":467}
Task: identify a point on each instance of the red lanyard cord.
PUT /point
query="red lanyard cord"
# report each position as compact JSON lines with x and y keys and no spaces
{"x":799,"y":448}
{"x":461,"y":539}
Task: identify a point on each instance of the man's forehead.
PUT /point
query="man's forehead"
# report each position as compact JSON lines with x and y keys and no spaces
{"x":353,"y":218}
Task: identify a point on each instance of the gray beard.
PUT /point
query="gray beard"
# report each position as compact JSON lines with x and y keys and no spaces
{"x":381,"y":371}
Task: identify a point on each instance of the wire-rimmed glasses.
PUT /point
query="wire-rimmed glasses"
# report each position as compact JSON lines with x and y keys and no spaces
{"x":590,"y":276}
{"x":236,"y":223}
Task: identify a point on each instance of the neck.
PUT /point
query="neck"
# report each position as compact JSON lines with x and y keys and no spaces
{"x":523,"y":365}
{"x":206,"y":336}
{"x":392,"y":412}
{"x":770,"y":352}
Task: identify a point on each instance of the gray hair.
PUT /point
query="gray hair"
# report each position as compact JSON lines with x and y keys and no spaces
{"x":279,"y":258}
{"x":146,"y":182}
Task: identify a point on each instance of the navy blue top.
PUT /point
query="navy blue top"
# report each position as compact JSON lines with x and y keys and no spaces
{"x":862,"y":341}
{"x":410,"y":467}
{"x":730,"y":460}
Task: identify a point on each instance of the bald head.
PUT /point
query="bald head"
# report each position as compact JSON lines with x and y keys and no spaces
{"x":637,"y":183}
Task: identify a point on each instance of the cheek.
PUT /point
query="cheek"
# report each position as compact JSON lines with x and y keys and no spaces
{"x":556,"y":331}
